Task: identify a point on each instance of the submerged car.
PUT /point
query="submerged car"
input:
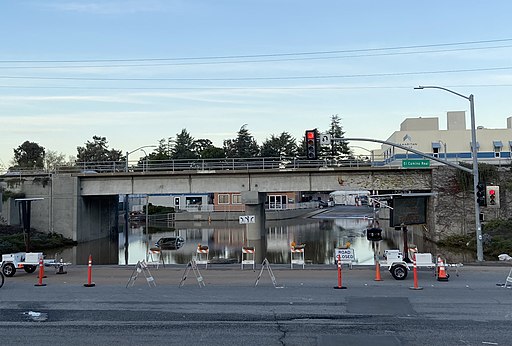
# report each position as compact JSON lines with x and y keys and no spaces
{"x":170,"y":243}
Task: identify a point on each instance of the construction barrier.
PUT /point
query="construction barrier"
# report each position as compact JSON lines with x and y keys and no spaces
{"x":297,"y":255}
{"x":266,"y":264}
{"x":89,"y":274}
{"x":202,"y":255}
{"x":415,"y":272}
{"x":141,"y":267}
{"x":249,"y":256}
{"x":340,"y":280}
{"x":155,"y":257}
{"x":377,"y":270}
{"x":192,"y":265}
{"x":41,"y":273}
{"x":441,"y":270}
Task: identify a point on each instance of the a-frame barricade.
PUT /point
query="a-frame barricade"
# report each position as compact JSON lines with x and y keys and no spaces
{"x":264,"y":265}
{"x":508,"y":281}
{"x":192,"y":265}
{"x":141,"y":267}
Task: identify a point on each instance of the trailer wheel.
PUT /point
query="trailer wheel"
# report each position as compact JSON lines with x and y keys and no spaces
{"x":30,"y":268}
{"x":8,"y":269}
{"x":2,"y":278}
{"x":398,"y":271}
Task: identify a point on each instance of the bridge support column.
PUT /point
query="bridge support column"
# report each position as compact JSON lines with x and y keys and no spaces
{"x":256,"y":234}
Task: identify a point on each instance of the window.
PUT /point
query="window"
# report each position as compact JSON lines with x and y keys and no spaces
{"x":497,"y":148}
{"x":223,"y":198}
{"x":237,"y":199}
{"x":436,"y":146}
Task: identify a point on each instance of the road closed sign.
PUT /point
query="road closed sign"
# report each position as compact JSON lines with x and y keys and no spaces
{"x":346,"y":255}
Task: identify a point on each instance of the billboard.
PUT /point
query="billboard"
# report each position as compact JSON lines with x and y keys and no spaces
{"x":408,"y":211}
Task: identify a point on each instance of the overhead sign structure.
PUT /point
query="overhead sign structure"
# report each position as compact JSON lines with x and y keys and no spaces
{"x":325,"y":138}
{"x":415,"y":163}
{"x":245,"y":219}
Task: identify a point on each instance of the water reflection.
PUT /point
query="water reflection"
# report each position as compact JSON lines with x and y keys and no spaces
{"x":225,"y":240}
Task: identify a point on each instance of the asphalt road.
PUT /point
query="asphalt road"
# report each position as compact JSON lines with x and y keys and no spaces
{"x":469,"y":309}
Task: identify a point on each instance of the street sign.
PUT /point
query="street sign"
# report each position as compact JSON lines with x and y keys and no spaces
{"x":245,"y":219}
{"x":325,"y":138}
{"x":346,"y":255}
{"x":415,"y":163}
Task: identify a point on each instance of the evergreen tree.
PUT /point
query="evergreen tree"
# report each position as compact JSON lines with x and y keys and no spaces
{"x":244,"y":146}
{"x":205,"y":149}
{"x":183,"y":146}
{"x":337,"y":148}
{"x":283,"y":145}
{"x":162,"y":152}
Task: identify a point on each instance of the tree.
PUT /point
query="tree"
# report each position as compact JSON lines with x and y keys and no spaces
{"x":162,"y":152}
{"x":284,"y":145}
{"x":52,"y":159}
{"x":97,"y":150}
{"x":338,"y":148}
{"x":183,"y":146}
{"x":29,"y":155}
{"x":243,"y":146}
{"x":205,"y":149}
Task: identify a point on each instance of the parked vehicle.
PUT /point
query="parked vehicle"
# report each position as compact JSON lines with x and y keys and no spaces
{"x":27,"y":261}
{"x":170,"y":243}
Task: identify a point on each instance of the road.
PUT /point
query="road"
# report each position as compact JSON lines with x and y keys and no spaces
{"x":469,"y":309}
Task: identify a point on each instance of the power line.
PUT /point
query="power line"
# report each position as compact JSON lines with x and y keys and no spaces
{"x":256,"y":61}
{"x":212,"y":79}
{"x":264,"y":55}
{"x":247,"y":88}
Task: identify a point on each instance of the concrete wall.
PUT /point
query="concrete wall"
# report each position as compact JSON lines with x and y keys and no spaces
{"x":66,"y":211}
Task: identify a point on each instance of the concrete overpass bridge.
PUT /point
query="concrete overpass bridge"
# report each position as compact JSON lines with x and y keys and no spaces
{"x":84,"y":206}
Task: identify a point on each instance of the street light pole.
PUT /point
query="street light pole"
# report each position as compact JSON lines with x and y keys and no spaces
{"x":470,"y":98}
{"x":131,"y":152}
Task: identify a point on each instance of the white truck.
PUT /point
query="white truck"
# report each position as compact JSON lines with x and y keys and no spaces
{"x":27,"y":261}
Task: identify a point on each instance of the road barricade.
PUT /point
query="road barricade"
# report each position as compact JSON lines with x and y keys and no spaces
{"x":297,"y":255}
{"x":248,"y":256}
{"x":202,"y":255}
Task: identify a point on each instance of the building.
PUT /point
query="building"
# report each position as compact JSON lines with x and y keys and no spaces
{"x":494,"y":146}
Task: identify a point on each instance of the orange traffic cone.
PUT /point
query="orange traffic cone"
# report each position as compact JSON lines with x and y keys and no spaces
{"x":441,"y":270}
{"x":377,"y":271}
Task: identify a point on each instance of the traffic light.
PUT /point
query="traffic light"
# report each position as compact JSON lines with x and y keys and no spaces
{"x":480,"y":194}
{"x":311,"y":145}
{"x":493,"y":196}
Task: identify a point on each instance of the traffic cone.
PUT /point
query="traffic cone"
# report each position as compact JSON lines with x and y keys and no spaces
{"x":89,"y":274}
{"x":441,"y":270}
{"x":41,"y":273}
{"x":377,"y":271}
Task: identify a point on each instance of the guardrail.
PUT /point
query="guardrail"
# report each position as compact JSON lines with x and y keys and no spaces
{"x":210,"y":165}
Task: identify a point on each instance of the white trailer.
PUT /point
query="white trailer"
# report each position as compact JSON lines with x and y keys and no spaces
{"x":27,"y":261}
{"x":399,"y":268}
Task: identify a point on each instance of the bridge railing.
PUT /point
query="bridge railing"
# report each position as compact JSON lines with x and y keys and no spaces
{"x":210,"y":165}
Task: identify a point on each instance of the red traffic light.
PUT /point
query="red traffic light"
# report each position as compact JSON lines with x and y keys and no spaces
{"x":310,"y":134}
{"x":492,"y":192}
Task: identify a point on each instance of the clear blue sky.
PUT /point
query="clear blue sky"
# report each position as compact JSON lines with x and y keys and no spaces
{"x":139,"y":71}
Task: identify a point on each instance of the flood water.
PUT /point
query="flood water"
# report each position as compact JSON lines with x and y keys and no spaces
{"x":321,"y":235}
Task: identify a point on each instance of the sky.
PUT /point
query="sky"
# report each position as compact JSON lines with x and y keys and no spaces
{"x":136,"y":72}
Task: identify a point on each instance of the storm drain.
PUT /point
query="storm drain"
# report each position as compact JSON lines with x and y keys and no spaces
{"x":396,"y":306}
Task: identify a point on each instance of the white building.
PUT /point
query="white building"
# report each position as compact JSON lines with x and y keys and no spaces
{"x":494,"y":146}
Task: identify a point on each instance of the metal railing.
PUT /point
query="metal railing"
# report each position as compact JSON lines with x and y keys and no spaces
{"x":212,"y":165}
